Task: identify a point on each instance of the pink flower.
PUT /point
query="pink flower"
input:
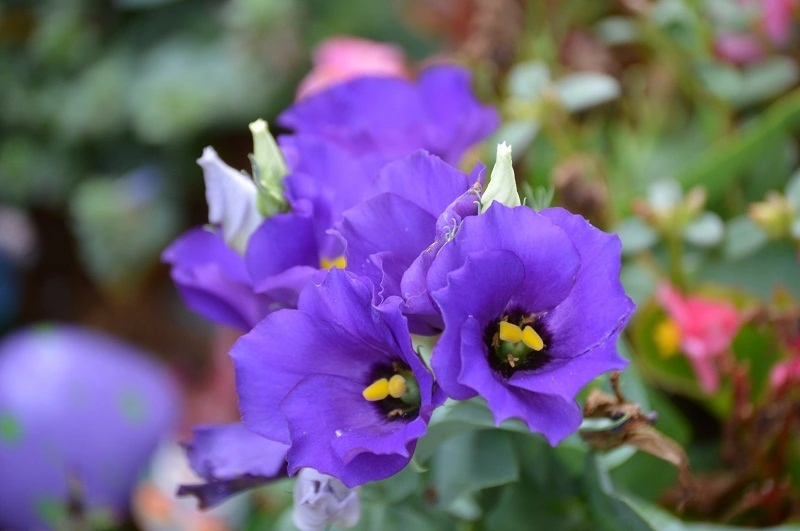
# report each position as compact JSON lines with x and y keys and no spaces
{"x":786,"y":373}
{"x":778,"y":19}
{"x":706,"y":328}
{"x":339,"y":59}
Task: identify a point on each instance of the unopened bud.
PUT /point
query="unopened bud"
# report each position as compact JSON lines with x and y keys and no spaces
{"x":231,"y":198}
{"x":269,"y":169}
{"x":502,"y":183}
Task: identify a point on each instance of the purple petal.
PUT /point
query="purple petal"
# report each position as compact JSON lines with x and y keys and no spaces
{"x":565,"y":377}
{"x":480,"y":290}
{"x":550,"y":258}
{"x":281,"y":242}
{"x":327,"y":174}
{"x":597,"y":305}
{"x":213,"y":280}
{"x":230,"y":450}
{"x":387,"y":224}
{"x":423,"y":179}
{"x":461,"y":120}
{"x":354,"y":114}
{"x":345,"y":300}
{"x":553,"y":416}
{"x":285,"y":347}
{"x":340,"y":410}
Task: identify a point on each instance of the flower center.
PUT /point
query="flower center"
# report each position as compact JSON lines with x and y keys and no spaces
{"x":397,"y":392}
{"x":515,"y":342}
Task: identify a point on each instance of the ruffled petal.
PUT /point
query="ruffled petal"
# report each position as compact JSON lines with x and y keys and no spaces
{"x":391,"y":225}
{"x":480,"y":290}
{"x":340,"y":412}
{"x":227,"y":451}
{"x":461,"y":120}
{"x":283,"y":349}
{"x":597,"y":305}
{"x":553,"y":416}
{"x":550,"y":258}
{"x":565,"y":377}
{"x":213,"y":281}
{"x":423,"y":179}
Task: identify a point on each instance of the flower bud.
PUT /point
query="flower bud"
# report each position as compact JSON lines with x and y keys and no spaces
{"x":231,"y":198}
{"x":320,"y":500}
{"x":774,"y":215}
{"x":502,"y":183}
{"x":269,"y":169}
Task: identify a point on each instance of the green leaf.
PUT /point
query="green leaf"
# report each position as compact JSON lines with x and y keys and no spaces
{"x":774,"y":265}
{"x":528,"y":80}
{"x":636,"y":235}
{"x":639,"y":281}
{"x":663,"y":520}
{"x":723,"y":163}
{"x":755,"y":84}
{"x":707,"y":230}
{"x":793,"y":191}
{"x":582,"y":90}
{"x":608,"y":512}
{"x":472,"y":462}
{"x":455,"y":418}
{"x":742,"y":238}
{"x":517,"y":133}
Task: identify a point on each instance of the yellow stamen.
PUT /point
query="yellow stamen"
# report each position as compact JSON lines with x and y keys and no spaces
{"x":510,"y":332}
{"x":397,"y":386}
{"x":377,"y":391}
{"x":532,"y":339}
{"x":667,"y":337}
{"x":338,"y":262}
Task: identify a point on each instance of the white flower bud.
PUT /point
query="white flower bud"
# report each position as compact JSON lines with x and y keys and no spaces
{"x":502,"y":183}
{"x":321,"y":500}
{"x":231,"y":198}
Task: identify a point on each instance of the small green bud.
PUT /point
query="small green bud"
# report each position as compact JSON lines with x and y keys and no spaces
{"x":269,"y":169}
{"x":502,"y":183}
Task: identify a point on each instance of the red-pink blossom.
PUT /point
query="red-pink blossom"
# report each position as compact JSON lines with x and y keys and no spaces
{"x":339,"y":59}
{"x":707,"y":328}
{"x":778,"y":19}
{"x":787,"y":372}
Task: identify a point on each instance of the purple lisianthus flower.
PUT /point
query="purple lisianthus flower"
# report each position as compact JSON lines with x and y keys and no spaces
{"x":338,"y":380}
{"x":228,"y":288}
{"x":231,"y":459}
{"x":242,"y":267}
{"x":532,"y":306}
{"x":393,"y":117}
{"x":420,"y":201}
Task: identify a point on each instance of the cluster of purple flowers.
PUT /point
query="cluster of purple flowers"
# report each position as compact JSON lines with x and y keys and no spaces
{"x":379,"y":238}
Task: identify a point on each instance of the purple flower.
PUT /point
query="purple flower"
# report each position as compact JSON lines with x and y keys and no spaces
{"x":394,"y":117}
{"x":338,"y":380}
{"x":532,"y":306}
{"x":231,"y":459}
{"x":420,"y":201}
{"x":228,"y":288}
{"x":80,"y":415}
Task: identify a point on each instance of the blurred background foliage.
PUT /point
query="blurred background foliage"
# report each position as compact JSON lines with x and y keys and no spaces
{"x":673,"y":122}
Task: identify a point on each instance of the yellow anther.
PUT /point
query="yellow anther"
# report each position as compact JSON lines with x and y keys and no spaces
{"x":378,"y":390}
{"x":397,"y":386}
{"x":532,"y":339}
{"x":338,"y":262}
{"x":510,"y":332}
